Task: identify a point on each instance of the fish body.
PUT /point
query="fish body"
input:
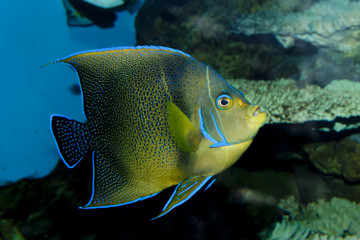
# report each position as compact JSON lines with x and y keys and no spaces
{"x":155,"y":117}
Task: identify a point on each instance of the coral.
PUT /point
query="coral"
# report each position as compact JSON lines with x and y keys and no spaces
{"x":339,"y":158}
{"x":337,"y":219}
{"x":288,"y":231}
{"x":285,"y":102}
{"x":338,"y":127}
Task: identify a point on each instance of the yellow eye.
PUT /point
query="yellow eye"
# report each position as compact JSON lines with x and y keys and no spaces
{"x":223,"y":102}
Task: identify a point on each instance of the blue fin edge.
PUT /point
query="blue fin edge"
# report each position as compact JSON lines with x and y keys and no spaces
{"x":57,"y":147}
{"x":188,"y":197}
{"x":109,"y":206}
{"x":125,"y":47}
{"x":209,"y":185}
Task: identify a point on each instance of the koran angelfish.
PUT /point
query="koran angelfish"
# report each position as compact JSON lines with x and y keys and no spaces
{"x":155,"y":117}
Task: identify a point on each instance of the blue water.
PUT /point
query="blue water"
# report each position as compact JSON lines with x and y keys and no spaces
{"x":34,"y":33}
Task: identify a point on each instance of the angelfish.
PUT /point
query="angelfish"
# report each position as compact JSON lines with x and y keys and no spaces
{"x":155,"y":117}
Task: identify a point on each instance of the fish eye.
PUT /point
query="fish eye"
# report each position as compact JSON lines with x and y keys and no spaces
{"x":223,"y":102}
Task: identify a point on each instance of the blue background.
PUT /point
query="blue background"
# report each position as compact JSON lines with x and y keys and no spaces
{"x":32,"y":34}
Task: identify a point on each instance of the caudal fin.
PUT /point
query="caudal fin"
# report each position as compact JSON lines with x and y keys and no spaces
{"x":72,"y":139}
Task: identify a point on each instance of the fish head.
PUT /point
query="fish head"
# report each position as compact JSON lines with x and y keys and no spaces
{"x":226,"y":117}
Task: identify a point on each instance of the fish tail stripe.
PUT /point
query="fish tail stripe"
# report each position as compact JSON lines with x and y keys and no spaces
{"x":92,"y":183}
{"x":71,"y":138}
{"x":180,"y":196}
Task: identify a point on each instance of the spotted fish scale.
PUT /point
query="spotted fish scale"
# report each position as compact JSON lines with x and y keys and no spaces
{"x":153,"y":120}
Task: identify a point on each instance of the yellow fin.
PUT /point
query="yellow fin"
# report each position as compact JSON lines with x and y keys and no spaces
{"x":182,"y":129}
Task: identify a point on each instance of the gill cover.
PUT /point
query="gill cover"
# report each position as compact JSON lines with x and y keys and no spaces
{"x":225,"y":116}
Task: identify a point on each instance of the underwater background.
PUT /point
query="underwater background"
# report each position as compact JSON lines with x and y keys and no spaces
{"x":299,"y":60}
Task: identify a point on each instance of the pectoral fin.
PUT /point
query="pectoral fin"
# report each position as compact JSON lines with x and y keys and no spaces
{"x":181,"y":128}
{"x":185,"y":190}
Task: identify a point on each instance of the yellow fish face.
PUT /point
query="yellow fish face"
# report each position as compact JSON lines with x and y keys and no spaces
{"x":226,"y":117}
{"x":239,"y":120}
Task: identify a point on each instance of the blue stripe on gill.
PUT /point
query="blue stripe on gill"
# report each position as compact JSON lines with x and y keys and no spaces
{"x":208,"y":136}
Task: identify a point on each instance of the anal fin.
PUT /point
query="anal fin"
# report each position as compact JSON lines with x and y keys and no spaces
{"x":185,"y":190}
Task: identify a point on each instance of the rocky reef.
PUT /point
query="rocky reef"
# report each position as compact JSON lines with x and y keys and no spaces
{"x":340,"y":158}
{"x":331,"y":24}
{"x":309,"y":41}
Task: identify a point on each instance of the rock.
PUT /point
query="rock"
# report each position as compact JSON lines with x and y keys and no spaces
{"x":338,"y":158}
{"x":310,"y":41}
{"x":333,"y":24}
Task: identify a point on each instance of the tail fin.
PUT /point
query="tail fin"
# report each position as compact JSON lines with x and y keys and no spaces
{"x":72,"y":139}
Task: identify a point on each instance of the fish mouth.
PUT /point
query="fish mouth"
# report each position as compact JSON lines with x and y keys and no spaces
{"x":258,"y":116}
